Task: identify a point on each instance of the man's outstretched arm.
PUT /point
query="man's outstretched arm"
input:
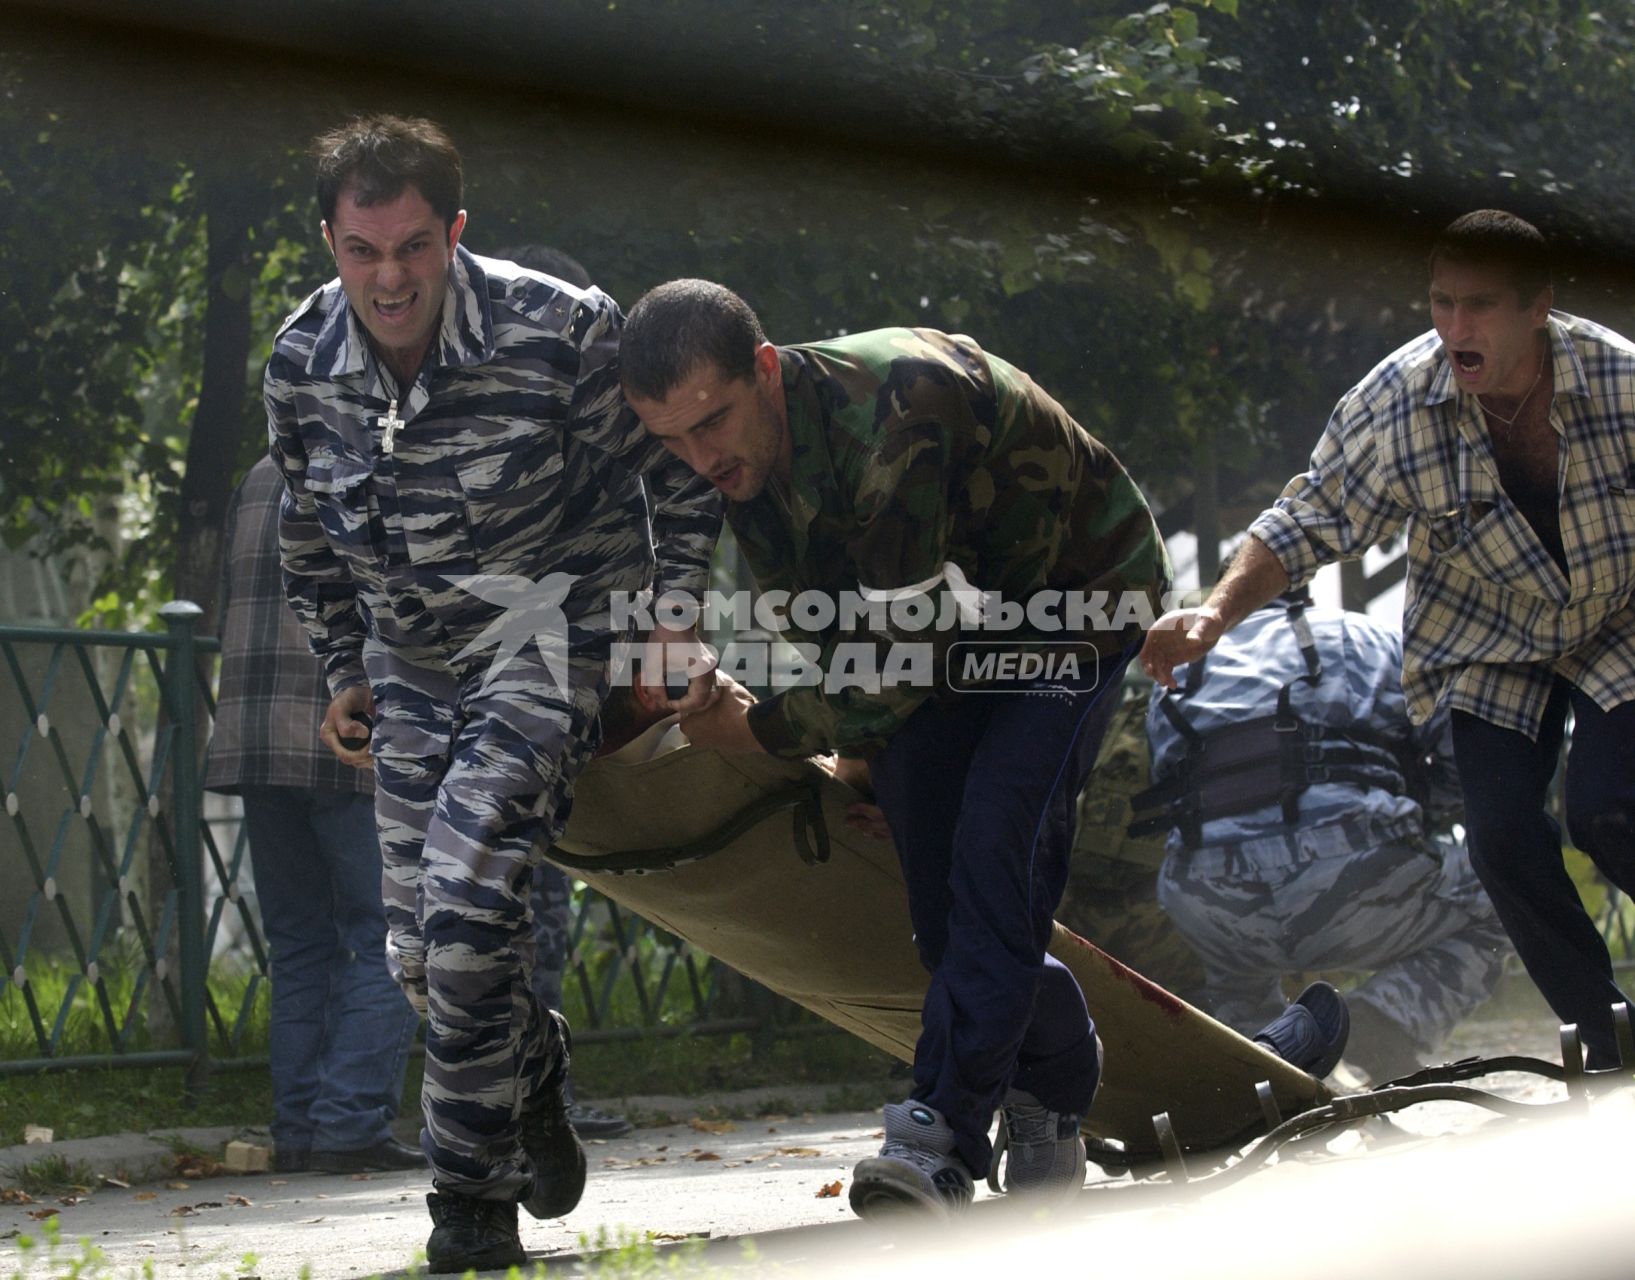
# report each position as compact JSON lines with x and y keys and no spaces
{"x":1184,"y":635}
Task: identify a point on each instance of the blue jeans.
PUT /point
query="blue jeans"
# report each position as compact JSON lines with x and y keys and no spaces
{"x":981,"y":797}
{"x":1515,"y":846}
{"x":340,"y":1026}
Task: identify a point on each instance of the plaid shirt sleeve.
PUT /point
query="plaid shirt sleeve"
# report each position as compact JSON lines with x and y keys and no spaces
{"x":1340,"y":506}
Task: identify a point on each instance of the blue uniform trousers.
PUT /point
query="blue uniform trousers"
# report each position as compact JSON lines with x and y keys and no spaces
{"x":980,"y":796}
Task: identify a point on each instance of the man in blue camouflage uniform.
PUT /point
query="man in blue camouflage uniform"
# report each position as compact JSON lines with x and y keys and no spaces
{"x":1503,"y":443}
{"x":909,"y":469}
{"x":464,"y":494}
{"x":1334,"y":861}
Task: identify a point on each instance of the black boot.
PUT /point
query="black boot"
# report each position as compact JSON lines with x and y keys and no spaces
{"x":552,"y":1146}
{"x":469,"y":1234}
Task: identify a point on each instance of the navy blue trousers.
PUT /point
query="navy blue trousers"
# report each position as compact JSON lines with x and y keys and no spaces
{"x":1515,"y":846}
{"x":981,"y":796}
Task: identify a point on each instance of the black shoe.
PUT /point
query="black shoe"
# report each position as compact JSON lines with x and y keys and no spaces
{"x":384,"y":1156}
{"x":552,"y":1145}
{"x":592,"y":1122}
{"x":291,"y":1159}
{"x":468,"y":1234}
{"x":1311,"y":1033}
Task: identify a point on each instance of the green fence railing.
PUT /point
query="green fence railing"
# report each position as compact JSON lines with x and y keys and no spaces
{"x":128,"y":932}
{"x":103,"y":903}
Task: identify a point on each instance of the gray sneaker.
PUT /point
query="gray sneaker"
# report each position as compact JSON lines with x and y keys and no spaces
{"x":917,"y":1170}
{"x":1044,"y":1154}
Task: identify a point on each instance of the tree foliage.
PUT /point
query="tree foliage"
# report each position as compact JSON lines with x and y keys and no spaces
{"x":1186,"y":221}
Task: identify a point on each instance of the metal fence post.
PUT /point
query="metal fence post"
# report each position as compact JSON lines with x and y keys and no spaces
{"x":187,"y":801}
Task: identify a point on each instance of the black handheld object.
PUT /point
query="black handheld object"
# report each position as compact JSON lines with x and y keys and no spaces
{"x":353,"y":742}
{"x":675,"y":685}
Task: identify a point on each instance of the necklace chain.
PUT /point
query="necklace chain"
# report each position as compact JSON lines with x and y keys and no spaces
{"x":1522,"y":404}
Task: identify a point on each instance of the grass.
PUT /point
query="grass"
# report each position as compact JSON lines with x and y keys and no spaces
{"x":73,"y":1022}
{"x":87,"y":1104}
{"x":53,"y":1175}
{"x":624,"y":1255}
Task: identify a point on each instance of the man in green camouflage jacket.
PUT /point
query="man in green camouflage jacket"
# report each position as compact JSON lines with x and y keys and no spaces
{"x":967,"y":572}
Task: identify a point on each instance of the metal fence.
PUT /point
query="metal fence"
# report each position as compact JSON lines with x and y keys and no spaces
{"x":128,"y":931}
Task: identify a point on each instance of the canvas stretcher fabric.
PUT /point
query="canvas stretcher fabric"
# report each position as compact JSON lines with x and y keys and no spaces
{"x":749,"y":859}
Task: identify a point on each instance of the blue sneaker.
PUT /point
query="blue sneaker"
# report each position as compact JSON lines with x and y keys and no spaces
{"x":917,"y":1169}
{"x":1311,"y":1033}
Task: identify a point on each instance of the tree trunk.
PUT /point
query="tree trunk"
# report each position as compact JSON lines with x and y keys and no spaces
{"x":224,"y":414}
{"x":214,"y":445}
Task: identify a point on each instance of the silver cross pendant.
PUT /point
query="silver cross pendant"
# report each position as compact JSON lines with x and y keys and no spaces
{"x":391,"y":422}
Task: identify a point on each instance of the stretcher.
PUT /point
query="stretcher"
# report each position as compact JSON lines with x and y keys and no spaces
{"x":749,"y":859}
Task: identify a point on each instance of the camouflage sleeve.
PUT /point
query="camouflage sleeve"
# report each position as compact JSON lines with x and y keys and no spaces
{"x":900,"y":556}
{"x":316,"y":583}
{"x":686,"y":507}
{"x":1339,"y":507}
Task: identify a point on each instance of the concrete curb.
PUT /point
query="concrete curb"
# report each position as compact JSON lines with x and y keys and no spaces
{"x":132,"y":1158}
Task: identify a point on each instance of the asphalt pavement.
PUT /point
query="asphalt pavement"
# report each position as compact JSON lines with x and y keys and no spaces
{"x":1444,"y":1189}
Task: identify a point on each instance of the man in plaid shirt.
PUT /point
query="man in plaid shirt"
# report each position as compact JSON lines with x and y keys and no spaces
{"x":1504,"y":442}
{"x":340,"y":1026}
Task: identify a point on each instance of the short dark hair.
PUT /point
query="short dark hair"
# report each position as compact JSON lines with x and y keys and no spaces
{"x":548,"y":261}
{"x":376,"y":157}
{"x":1492,"y":237}
{"x":683,"y":324}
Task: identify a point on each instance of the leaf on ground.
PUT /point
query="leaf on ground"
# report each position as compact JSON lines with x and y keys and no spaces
{"x":176,"y":1186}
{"x":15,"y":1195}
{"x":70,"y":1201}
{"x":191,"y":1166}
{"x":116,"y":1182}
{"x":696,"y":1154}
{"x":799,"y":1151}
{"x":40,"y":1215}
{"x":828,"y":1191}
{"x":146,"y":1195}
{"x":711,"y":1126}
{"x":241,"y":1201}
{"x":182,"y":1211}
{"x":679,"y":1235}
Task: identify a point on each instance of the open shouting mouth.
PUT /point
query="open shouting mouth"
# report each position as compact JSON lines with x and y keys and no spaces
{"x":1469,"y":363}
{"x":394,"y":309}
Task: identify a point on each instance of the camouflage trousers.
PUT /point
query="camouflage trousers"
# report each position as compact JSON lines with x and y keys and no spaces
{"x":1338,"y":897}
{"x":468,"y":775}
